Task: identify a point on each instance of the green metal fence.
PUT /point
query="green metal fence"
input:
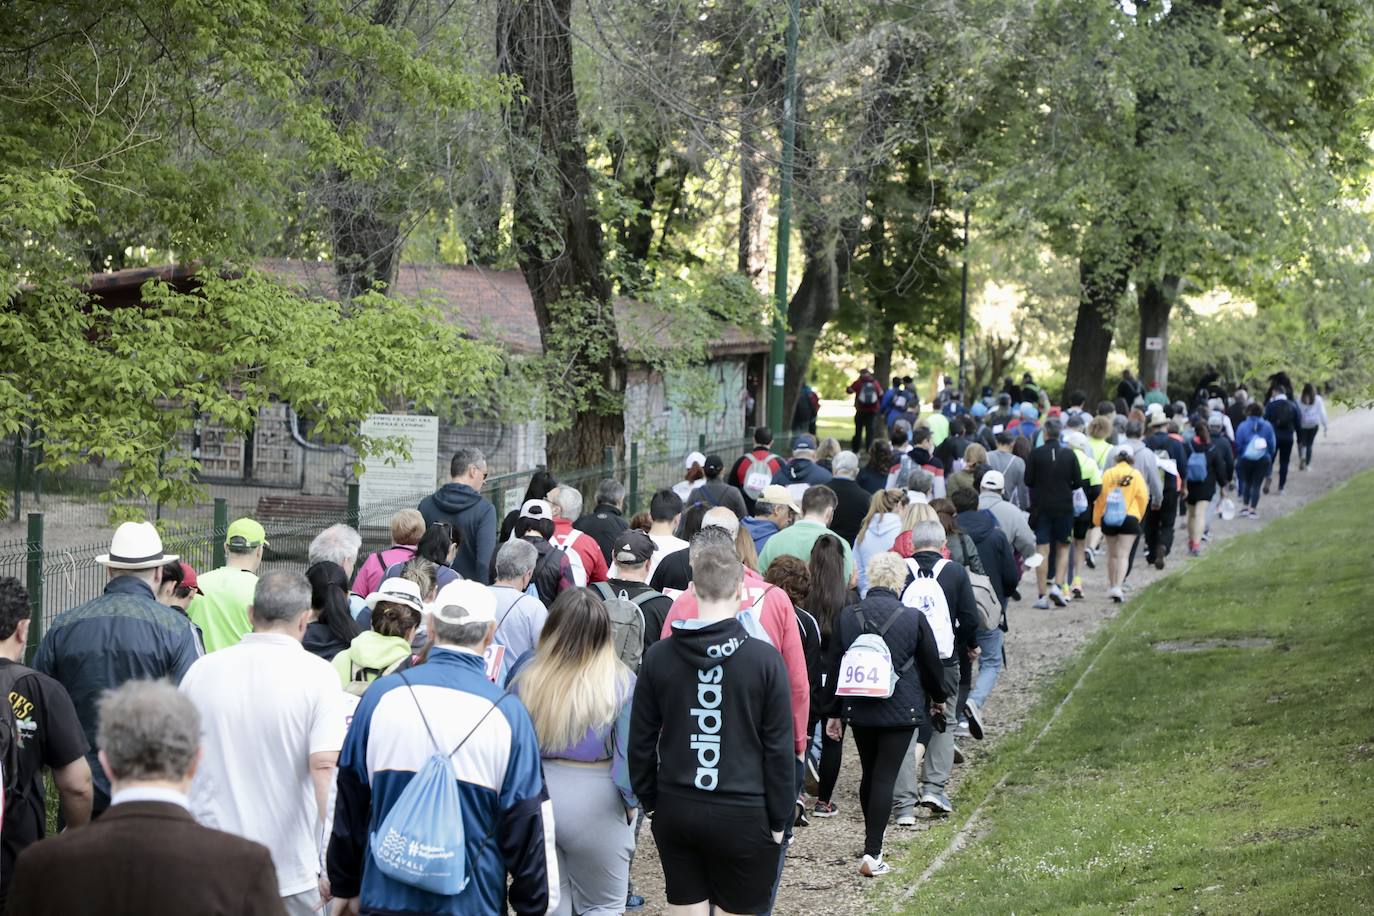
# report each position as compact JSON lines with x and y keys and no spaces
{"x":58,"y":577}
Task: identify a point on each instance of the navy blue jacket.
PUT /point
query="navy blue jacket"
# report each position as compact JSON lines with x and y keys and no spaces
{"x":801,"y":470}
{"x":1163,"y":442}
{"x":123,"y":635}
{"x":994,"y":550}
{"x":909,"y":637}
{"x":500,"y":787}
{"x":474,"y":520}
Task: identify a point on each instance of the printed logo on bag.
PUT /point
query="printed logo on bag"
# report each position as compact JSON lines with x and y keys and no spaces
{"x":706,"y":742}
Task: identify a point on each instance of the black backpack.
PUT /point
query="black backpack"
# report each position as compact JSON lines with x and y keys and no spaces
{"x":1285,"y":421}
{"x":9,"y":725}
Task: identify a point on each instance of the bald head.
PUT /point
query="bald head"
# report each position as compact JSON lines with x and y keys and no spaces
{"x":723,"y":518}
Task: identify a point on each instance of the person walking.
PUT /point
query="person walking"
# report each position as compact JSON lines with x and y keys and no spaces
{"x":331,"y":627}
{"x":221,"y":608}
{"x":1206,"y":473}
{"x":272,"y":724}
{"x":542,"y":483}
{"x":449,"y":707}
{"x":146,"y":856}
{"x":716,"y":491}
{"x":155,"y":641}
{"x":633,"y":551}
{"x":774,"y":510}
{"x":827,"y":592}
{"x":1119,"y":516}
{"x":605,"y":522}
{"x":460,"y":503}
{"x":520,"y":616}
{"x":1286,"y":418}
{"x":578,"y":694}
{"x":883,"y":727}
{"x":994,"y":550}
{"x":47,"y":736}
{"x":1082,"y":507}
{"x":878,"y":531}
{"x":802,"y":471}
{"x":1009,"y":518}
{"x":818,"y":510}
{"x":553,"y":571}
{"x":396,"y":607}
{"x":1256,"y":443}
{"x":754,"y":470}
{"x":1170,"y":457}
{"x":1013,"y":470}
{"x":1313,"y":410}
{"x":407,"y":527}
{"x":438,"y":545}
{"x":584,"y":553}
{"x":1052,"y":474}
{"x":851,"y":499}
{"x":868,"y":397}
{"x":711,"y":752}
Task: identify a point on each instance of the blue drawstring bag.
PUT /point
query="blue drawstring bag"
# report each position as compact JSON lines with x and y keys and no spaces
{"x":421,"y":841}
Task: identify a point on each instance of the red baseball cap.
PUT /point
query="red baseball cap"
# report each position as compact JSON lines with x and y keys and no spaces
{"x":188,"y":577}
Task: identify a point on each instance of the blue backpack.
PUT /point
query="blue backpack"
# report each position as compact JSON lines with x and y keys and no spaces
{"x":1115,"y":512}
{"x":1197,"y":466}
{"x":421,"y":841}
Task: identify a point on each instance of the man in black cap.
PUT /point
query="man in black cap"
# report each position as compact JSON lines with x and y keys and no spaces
{"x":716,"y":491}
{"x":630,"y":578}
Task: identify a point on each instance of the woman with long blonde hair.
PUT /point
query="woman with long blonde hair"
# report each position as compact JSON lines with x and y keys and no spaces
{"x":578,"y":694}
{"x":878,"y":530}
{"x":975,"y":456}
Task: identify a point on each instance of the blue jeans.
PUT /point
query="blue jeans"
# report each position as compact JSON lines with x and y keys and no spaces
{"x":989,"y":665}
{"x":1250,"y":476}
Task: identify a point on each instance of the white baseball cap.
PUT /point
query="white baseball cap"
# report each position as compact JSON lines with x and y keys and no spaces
{"x":694,"y":458}
{"x":464,"y":601}
{"x":536,"y":508}
{"x":994,"y":480}
{"x":397,"y":591}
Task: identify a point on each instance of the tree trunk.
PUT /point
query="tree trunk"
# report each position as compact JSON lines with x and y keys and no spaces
{"x":1156,"y":300}
{"x":811,"y":306}
{"x":558,"y":239}
{"x":1100,"y":291}
{"x":367,"y":245}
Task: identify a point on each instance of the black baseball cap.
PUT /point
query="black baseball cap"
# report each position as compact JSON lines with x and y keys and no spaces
{"x":633,"y":547}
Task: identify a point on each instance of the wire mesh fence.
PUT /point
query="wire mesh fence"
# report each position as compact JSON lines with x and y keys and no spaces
{"x":61,"y":572}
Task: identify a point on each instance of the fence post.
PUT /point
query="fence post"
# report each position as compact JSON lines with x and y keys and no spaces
{"x":633,"y":504}
{"x":34,"y":581}
{"x":18,"y":475}
{"x":221,"y":529}
{"x":607,"y":462}
{"x":701,"y":443}
{"x":354,"y":519}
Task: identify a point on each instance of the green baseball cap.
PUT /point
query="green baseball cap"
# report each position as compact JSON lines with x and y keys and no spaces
{"x":245,"y":533}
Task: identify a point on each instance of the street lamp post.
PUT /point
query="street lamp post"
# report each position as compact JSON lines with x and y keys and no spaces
{"x":963,"y":311}
{"x":789,"y":139}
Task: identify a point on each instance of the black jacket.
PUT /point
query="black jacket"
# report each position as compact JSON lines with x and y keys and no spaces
{"x":1052,"y":474}
{"x":909,"y":637}
{"x":604,"y":524}
{"x":1218,"y":469}
{"x":853,"y":506}
{"x":712,"y":722}
{"x":952,"y":449}
{"x":999,"y":563}
{"x":673,"y":572}
{"x":963,"y":607}
{"x":717,"y":493}
{"x":473,"y":519}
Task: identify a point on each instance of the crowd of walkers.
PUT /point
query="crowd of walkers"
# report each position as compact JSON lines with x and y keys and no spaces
{"x":481,"y":717}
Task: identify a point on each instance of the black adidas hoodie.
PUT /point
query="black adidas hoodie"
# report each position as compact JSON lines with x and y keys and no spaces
{"x":712,"y":722}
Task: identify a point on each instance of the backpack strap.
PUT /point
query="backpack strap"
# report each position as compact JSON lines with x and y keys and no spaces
{"x":420,"y":709}
{"x":604,"y":590}
{"x":645,"y":597}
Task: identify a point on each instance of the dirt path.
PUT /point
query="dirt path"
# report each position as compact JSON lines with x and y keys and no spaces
{"x":821,"y":876}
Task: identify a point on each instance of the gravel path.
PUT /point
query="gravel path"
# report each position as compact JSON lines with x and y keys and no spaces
{"x":821,"y":876}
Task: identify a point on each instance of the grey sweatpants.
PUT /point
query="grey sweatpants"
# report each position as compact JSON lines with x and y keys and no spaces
{"x":939,"y":756}
{"x":594,"y":850}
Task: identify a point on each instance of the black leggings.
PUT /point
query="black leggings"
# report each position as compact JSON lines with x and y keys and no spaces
{"x":1306,"y":436}
{"x":1285,"y":456}
{"x":880,"y":756}
{"x":832,"y":752}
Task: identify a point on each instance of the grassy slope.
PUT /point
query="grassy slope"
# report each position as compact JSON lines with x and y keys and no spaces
{"x":1228,"y":780}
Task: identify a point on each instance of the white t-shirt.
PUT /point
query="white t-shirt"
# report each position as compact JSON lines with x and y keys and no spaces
{"x":266,"y":705}
{"x":667,"y":544}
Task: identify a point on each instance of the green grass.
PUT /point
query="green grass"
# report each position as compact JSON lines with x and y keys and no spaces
{"x":1219,"y":781}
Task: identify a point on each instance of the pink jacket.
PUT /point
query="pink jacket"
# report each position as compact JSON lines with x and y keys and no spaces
{"x":779,"y":621}
{"x":374,"y":568}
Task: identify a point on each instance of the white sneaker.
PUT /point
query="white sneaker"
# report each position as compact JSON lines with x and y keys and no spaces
{"x":1116,"y":595}
{"x":870,"y":867}
{"x":1042,"y":605}
{"x":906,"y":820}
{"x":1057,"y":595}
{"x":961,"y":731}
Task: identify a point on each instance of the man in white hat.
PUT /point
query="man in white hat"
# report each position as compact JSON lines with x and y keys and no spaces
{"x":272,"y":724}
{"x":774,"y":510}
{"x":122,"y":635}
{"x":1010,"y":519}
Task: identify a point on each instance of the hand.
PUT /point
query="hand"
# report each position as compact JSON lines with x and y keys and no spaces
{"x":350,"y":906}
{"x":777,"y":837}
{"x":325,"y":895}
{"x":834,"y":729}
{"x":974,"y":652}
{"x":630,"y":815}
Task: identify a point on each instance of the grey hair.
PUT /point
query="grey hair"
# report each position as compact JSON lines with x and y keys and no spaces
{"x":928,"y":535}
{"x":716,"y":567}
{"x":148,"y":730}
{"x":845,"y":464}
{"x":1134,"y":429}
{"x":336,"y":544}
{"x":920,"y":480}
{"x":514,"y":560}
{"x":611,"y":492}
{"x":466,"y":458}
{"x":1053,"y":427}
{"x":467,"y":634}
{"x":568,"y":500}
{"x":281,"y":597}
{"x":721,"y":517}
